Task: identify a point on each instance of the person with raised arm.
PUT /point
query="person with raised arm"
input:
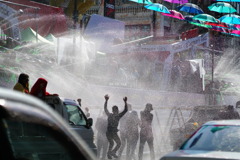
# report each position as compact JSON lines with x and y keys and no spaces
{"x":112,"y":128}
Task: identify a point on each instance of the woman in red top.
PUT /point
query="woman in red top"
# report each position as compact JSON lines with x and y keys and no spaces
{"x":39,"y":88}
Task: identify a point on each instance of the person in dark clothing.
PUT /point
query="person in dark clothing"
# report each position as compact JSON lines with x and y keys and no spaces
{"x":146,"y":134}
{"x":229,"y":113}
{"x":102,"y":143}
{"x":23,"y":83}
{"x":112,"y":128}
{"x":132,"y":124}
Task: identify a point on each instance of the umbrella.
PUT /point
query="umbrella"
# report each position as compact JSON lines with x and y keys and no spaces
{"x":219,"y":24}
{"x":157,"y":7}
{"x":177,"y":1}
{"x":200,"y":24}
{"x":142,"y":1}
{"x":229,"y":0}
{"x":232,"y":27}
{"x":205,"y":17}
{"x":236,"y":32}
{"x":222,"y":7}
{"x":189,"y":18}
{"x":230,"y":18}
{"x":174,"y":14}
{"x":190,"y":8}
{"x":237,"y":35}
{"x":219,"y":29}
{"x":237,"y":25}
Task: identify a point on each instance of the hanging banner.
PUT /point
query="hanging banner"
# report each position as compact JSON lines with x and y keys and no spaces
{"x":109,"y":8}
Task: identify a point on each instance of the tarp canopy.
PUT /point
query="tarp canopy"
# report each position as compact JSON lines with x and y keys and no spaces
{"x":50,"y":37}
{"x":29,"y":35}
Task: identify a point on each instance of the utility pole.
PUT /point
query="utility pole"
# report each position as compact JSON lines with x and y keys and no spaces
{"x":154,"y":21}
{"x":75,"y":20}
{"x":75,"y":14}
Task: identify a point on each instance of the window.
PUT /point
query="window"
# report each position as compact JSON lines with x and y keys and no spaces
{"x":75,"y":115}
{"x":33,"y":141}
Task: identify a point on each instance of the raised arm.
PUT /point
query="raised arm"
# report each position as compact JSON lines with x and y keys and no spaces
{"x":125,"y":108}
{"x":105,"y":105}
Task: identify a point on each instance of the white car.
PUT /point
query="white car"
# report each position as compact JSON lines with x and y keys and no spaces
{"x":214,"y":140}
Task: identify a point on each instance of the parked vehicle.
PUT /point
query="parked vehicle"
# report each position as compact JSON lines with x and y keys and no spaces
{"x":30,"y":129}
{"x":218,"y":140}
{"x":72,"y":113}
{"x":199,"y":115}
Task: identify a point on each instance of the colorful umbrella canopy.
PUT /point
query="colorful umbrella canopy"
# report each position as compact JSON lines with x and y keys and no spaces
{"x":236,"y":32}
{"x":201,"y":24}
{"x":157,"y":7}
{"x":229,"y":0}
{"x":206,"y":18}
{"x":222,"y":7}
{"x":142,"y":1}
{"x":237,"y":25}
{"x":237,"y":35}
{"x":230,"y":18}
{"x":177,"y":1}
{"x":219,"y":29}
{"x":219,"y":24}
{"x":190,"y":8}
{"x":232,"y":27}
{"x":188,"y":17}
{"x":174,"y":14}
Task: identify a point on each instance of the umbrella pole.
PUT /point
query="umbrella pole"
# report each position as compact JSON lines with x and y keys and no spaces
{"x":213,"y":101}
{"x":212,"y":65}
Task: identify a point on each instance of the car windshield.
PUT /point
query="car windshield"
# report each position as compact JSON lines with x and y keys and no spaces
{"x":75,"y":115}
{"x":215,"y":138}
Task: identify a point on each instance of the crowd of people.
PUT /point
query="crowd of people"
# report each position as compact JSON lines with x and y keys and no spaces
{"x":118,"y":130}
{"x":110,"y":142}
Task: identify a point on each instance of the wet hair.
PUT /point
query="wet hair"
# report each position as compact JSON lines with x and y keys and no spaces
{"x":23,"y":79}
{"x":237,"y":104}
{"x":148,"y":107}
{"x":230,"y":107}
{"x":115,"y":108}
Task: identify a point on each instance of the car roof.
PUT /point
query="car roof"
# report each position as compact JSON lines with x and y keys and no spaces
{"x":233,"y":122}
{"x":210,"y":107}
{"x":69,"y":101}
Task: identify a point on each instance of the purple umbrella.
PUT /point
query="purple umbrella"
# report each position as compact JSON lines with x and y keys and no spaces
{"x":177,"y":1}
